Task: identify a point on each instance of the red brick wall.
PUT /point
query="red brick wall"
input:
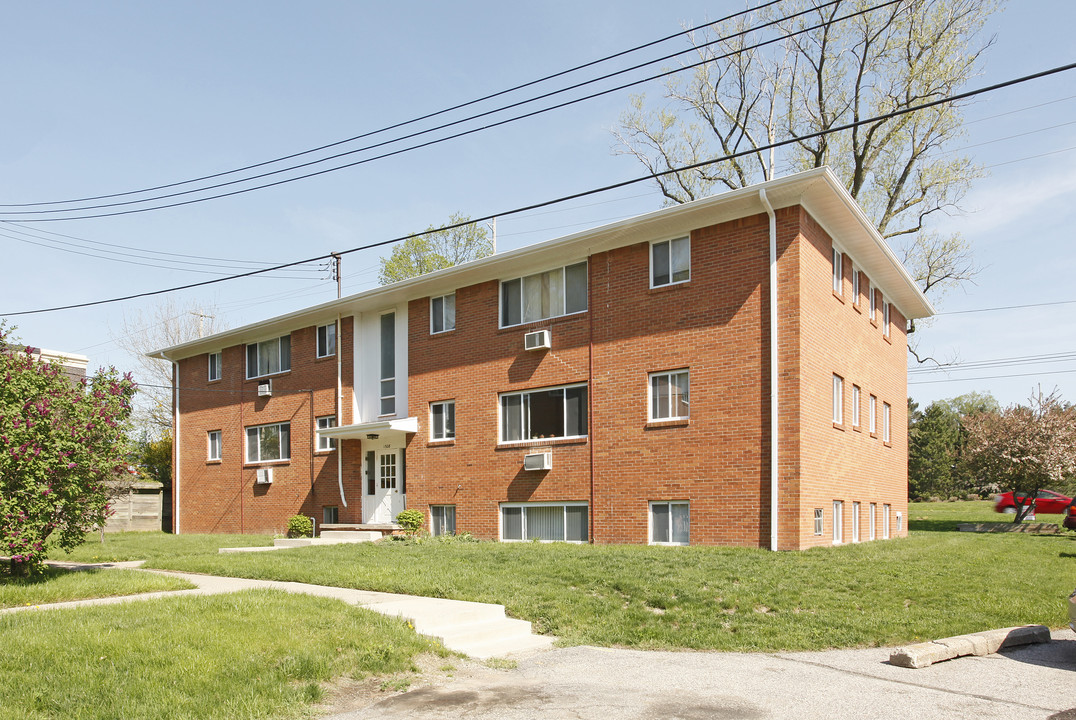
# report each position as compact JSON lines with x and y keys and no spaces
{"x":222,"y":496}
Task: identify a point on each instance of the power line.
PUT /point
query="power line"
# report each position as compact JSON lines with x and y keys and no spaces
{"x":988,"y":377}
{"x":1006,"y":307}
{"x":428,"y":143}
{"x":999,"y":362}
{"x":584,"y":193}
{"x":437,"y":113}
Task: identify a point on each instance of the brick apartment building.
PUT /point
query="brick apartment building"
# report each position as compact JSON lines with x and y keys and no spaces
{"x":730,"y":371}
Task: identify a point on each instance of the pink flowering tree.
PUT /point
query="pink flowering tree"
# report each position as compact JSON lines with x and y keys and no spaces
{"x":59,"y":442}
{"x":1025,"y":448}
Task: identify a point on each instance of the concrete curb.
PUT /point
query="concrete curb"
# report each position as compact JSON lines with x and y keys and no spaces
{"x":982,"y":643}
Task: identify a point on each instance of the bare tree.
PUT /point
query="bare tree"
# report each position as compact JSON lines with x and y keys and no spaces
{"x":169,"y":323}
{"x":833,"y":68}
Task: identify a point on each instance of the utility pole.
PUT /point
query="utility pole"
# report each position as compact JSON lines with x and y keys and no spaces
{"x":339,"y":276}
{"x":201,"y":317}
{"x":492,"y":225}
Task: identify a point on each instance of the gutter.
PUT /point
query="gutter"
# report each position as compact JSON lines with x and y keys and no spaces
{"x":175,"y":446}
{"x":774,"y":407}
{"x":340,"y":407}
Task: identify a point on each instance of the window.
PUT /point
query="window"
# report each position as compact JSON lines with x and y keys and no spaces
{"x":326,"y":340}
{"x":544,"y":521}
{"x":874,"y":303}
{"x":855,"y":406}
{"x":872,"y":419}
{"x":266,"y":443}
{"x":900,"y":521}
{"x":442,"y":519}
{"x":669,"y":398}
{"x":443,"y":420}
{"x":388,"y":471}
{"x":855,"y":522}
{"x":443,"y":313}
{"x":214,"y":445}
{"x":269,"y":357}
{"x":330,"y":515}
{"x":547,"y":413}
{"x":885,"y":422}
{"x":324,"y":423}
{"x":885,"y":522}
{"x":388,"y":364}
{"x":670,"y":262}
{"x":855,"y":284}
{"x":885,"y":317}
{"x":562,"y":291}
{"x":870,"y":521}
{"x":838,"y":400}
{"x":670,"y":523}
{"x":214,"y":366}
{"x":838,"y":272}
{"x":838,"y":522}
{"x":818,"y":520}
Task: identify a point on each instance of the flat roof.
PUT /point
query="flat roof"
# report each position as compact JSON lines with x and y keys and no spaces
{"x":817,"y":190}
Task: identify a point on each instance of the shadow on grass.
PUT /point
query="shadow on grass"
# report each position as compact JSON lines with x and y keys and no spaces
{"x":47,"y":574}
{"x":924,"y":525}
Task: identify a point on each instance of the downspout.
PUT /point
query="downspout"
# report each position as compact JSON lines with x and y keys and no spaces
{"x":242,"y":489}
{"x":590,"y":393}
{"x":340,"y":408}
{"x":774,"y":424}
{"x":175,"y":446}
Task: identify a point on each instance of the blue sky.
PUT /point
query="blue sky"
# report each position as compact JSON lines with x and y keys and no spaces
{"x":106,"y":97}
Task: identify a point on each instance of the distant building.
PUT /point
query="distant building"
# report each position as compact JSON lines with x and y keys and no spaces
{"x":74,"y":366}
{"x":731,"y":371}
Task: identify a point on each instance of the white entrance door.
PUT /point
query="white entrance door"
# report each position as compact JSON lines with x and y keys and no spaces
{"x":387,"y":500}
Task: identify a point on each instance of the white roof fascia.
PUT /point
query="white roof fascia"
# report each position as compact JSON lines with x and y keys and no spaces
{"x":818,"y":190}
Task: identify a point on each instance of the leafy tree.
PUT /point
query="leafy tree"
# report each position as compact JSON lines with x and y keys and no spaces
{"x":900,"y":170}
{"x":1025,"y":448}
{"x":937,"y":441}
{"x":59,"y":444}
{"x":440,"y":248}
{"x":155,"y":458}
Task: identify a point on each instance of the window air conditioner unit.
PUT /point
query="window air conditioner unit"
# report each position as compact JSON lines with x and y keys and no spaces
{"x":538,"y":461}
{"x":265,"y":388}
{"x":265,"y":476}
{"x":537,"y":340}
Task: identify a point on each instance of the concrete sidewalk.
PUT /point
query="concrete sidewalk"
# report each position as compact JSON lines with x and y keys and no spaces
{"x":480,"y":630}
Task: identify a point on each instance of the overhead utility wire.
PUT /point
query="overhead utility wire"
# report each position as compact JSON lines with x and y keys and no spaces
{"x":412,"y":121}
{"x":989,"y":377}
{"x":583,"y":193}
{"x":436,"y":141}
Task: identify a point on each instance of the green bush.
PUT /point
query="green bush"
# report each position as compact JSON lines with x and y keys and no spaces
{"x":300,"y":526}
{"x":411,"y":520}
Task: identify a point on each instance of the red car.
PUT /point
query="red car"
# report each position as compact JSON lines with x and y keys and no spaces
{"x":1047,"y":502}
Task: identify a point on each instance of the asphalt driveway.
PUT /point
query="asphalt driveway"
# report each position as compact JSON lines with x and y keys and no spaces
{"x":1036,"y":681}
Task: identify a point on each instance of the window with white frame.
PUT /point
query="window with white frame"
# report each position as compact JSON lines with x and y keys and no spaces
{"x":838,"y":272}
{"x":556,"y":412}
{"x":388,"y":364}
{"x":669,"y":395}
{"x":900,"y":521}
{"x":871,"y":512}
{"x":215,"y":367}
{"x":872,"y":419}
{"x":269,"y":357}
{"x":855,"y":284}
{"x":562,"y":291}
{"x":442,"y":519}
{"x":855,"y":522}
{"x":885,"y":522}
{"x":838,"y":399}
{"x":838,"y":522}
{"x":819,"y":520}
{"x":443,"y":420}
{"x":566,"y":522}
{"x":873,"y":303}
{"x":670,"y":523}
{"x":330,"y":515}
{"x":885,"y":317}
{"x":214,"y":441}
{"x":670,"y":262}
{"x":855,"y":406}
{"x":267,"y":443}
{"x":443,"y":313}
{"x":885,"y":422}
{"x":324,"y":423}
{"x":326,"y":340}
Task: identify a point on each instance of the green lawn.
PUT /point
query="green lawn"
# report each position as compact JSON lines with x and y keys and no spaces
{"x":945,"y":516}
{"x":55,"y":585}
{"x":256,"y":654}
{"x":122,"y":546}
{"x":932,"y":584}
